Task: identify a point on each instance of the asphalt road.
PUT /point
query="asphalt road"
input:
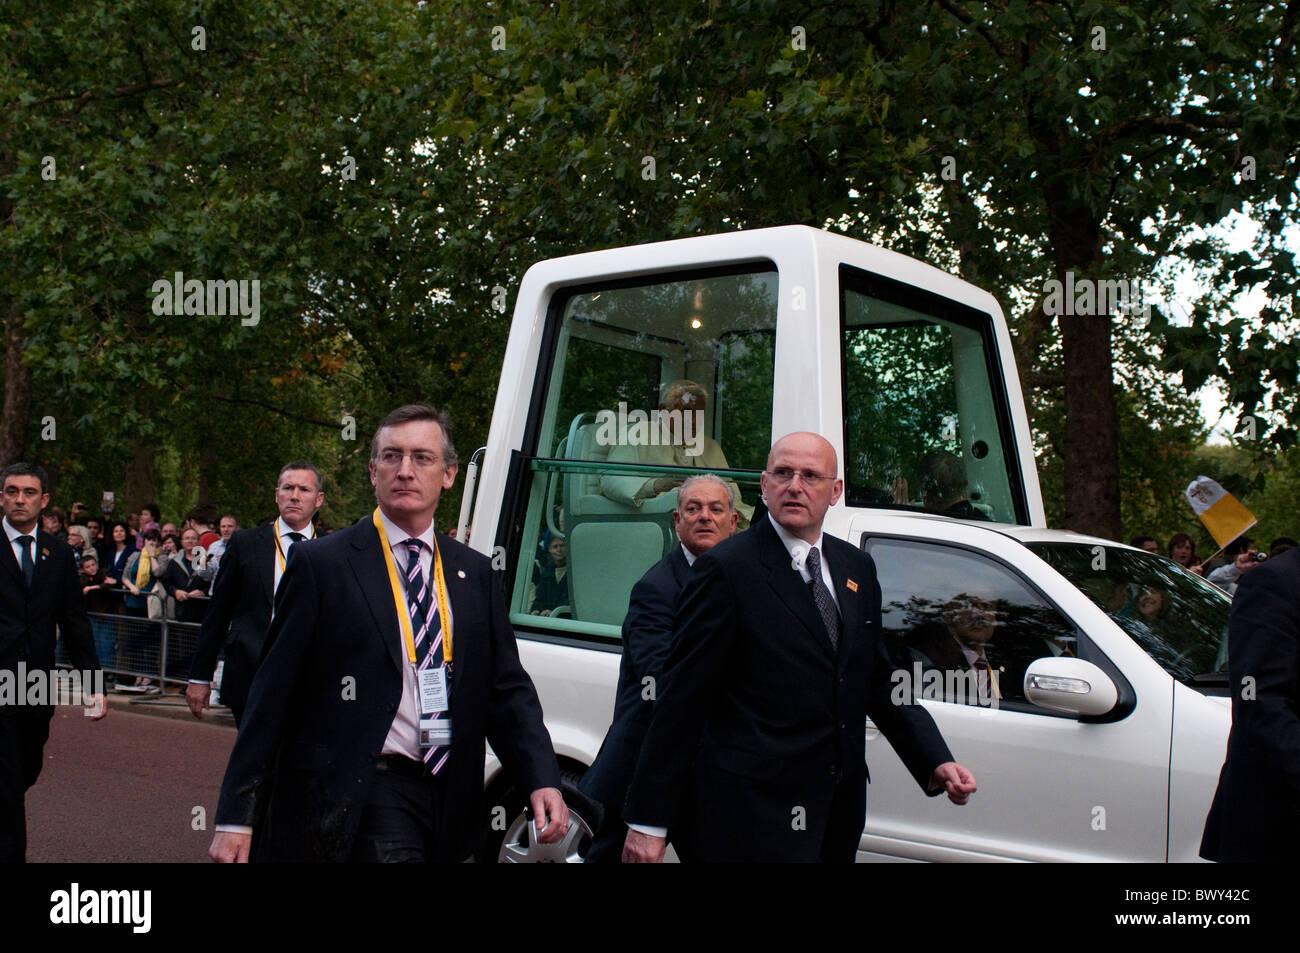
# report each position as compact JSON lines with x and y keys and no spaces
{"x":125,"y":788}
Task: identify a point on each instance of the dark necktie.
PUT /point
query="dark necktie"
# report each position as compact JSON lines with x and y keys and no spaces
{"x":296,"y":537}
{"x":822,"y":597}
{"x":29,"y":567}
{"x":428,"y":651}
{"x":987,"y":682}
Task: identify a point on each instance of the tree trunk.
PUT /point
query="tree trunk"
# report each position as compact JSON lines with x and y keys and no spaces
{"x":207,"y":464}
{"x":1091,"y":420}
{"x":18,"y":390}
{"x":140,"y":483}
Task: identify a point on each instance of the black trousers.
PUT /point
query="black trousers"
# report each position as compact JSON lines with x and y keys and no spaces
{"x":607,"y":844}
{"x":23,"y":733}
{"x":399,"y":823}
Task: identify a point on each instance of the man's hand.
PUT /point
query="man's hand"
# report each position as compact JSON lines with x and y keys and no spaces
{"x":548,"y":805}
{"x":230,"y":848}
{"x":196,"y":696}
{"x":643,"y":849}
{"x":955,"y":779}
{"x":180,"y":595}
{"x":96,"y":707}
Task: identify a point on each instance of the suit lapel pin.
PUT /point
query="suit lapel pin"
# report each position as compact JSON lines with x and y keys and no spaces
{"x":44,"y":553}
{"x":460,"y":573}
{"x":853,"y":586}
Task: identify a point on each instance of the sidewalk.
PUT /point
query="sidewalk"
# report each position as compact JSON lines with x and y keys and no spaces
{"x":170,"y":705}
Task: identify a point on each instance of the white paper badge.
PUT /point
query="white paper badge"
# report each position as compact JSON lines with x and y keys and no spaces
{"x":433,"y":691}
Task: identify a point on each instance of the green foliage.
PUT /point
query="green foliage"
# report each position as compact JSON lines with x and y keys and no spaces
{"x":473,"y":160}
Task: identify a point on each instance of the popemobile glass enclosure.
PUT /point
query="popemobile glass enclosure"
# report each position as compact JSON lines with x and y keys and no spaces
{"x":628,"y":370}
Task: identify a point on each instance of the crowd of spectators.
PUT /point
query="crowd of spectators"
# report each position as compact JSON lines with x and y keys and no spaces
{"x":1224,"y":568}
{"x":141,"y":568}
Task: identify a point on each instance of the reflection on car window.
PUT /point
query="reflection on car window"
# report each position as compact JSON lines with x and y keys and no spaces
{"x":650,"y":383}
{"x":1179,"y":619}
{"x":923,"y":427}
{"x":970,"y":620}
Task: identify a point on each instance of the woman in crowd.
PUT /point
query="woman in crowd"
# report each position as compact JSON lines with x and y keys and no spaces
{"x":1182,"y":550}
{"x":179,"y":577}
{"x":117,"y":555}
{"x":79,"y":540}
{"x":53,"y":523}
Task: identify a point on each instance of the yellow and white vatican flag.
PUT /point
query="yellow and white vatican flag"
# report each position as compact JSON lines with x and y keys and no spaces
{"x":1220,"y":511}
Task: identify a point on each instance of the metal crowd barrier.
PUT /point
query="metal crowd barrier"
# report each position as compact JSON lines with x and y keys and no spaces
{"x":130,"y":647}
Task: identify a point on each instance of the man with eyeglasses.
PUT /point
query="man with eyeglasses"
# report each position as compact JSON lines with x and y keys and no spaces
{"x":389,"y":663}
{"x":239,"y":611}
{"x":755,"y":750}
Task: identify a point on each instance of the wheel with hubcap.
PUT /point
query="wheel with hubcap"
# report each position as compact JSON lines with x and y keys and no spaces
{"x":519,"y":844}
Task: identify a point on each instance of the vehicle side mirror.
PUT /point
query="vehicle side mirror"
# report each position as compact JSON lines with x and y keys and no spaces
{"x":1070,"y":685}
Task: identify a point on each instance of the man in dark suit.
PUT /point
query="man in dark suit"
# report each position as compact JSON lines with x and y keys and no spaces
{"x":239,"y":611}
{"x":365,"y":730}
{"x":755,"y":751}
{"x":39,"y":590}
{"x":1256,"y":811}
{"x":705,"y":515}
{"x":957,"y":643}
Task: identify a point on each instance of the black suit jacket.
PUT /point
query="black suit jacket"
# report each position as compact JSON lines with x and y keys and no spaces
{"x":647,"y":636}
{"x":1256,"y":811}
{"x":324,"y":698}
{"x":239,"y":613}
{"x":755,"y":752}
{"x":28,"y":619}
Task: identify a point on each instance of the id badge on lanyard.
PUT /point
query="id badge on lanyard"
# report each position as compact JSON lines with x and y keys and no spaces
{"x":435,"y":704}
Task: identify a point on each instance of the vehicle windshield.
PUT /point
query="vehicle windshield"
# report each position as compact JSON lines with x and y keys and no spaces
{"x":1177,"y":617}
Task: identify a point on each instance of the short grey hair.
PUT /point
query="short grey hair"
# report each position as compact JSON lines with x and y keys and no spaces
{"x":409,"y":412}
{"x":690,"y":481}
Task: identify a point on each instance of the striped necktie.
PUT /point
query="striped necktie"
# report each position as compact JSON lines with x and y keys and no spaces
{"x":428,"y":646}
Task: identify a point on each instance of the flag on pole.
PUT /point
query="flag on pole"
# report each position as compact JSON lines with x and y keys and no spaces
{"x":1220,"y":511}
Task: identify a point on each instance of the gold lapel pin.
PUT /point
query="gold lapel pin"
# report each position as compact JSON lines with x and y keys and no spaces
{"x":853,"y":586}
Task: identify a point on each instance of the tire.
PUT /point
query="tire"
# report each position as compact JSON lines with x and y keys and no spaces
{"x":517,"y":843}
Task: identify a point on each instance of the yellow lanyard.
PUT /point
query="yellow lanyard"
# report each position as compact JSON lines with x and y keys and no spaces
{"x":280,"y":551}
{"x":399,"y":595}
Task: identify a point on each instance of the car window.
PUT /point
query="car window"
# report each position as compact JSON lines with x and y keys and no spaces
{"x":650,"y":382}
{"x":1178,"y":618}
{"x":961,"y":626}
{"x":924,"y":425}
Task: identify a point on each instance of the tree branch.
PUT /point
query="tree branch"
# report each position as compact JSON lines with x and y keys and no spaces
{"x":982,"y":28}
{"x":248,"y":401}
{"x":122,"y":92}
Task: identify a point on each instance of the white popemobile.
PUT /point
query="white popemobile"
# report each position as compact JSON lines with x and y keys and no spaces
{"x":1101,"y":728}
